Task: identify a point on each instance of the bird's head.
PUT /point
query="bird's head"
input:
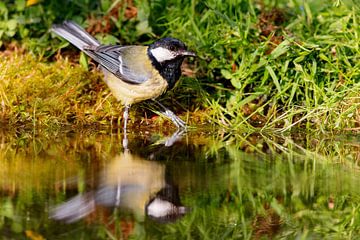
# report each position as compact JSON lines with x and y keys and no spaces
{"x":169,"y":49}
{"x":166,"y":55}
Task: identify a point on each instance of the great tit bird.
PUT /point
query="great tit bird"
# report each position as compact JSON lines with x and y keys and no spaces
{"x":128,"y":182}
{"x":133,"y":73}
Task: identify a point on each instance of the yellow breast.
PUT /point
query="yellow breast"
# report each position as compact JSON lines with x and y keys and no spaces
{"x":129,"y":94}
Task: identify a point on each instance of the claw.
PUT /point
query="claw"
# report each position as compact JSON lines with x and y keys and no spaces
{"x":175,"y":119}
{"x":179,"y":123}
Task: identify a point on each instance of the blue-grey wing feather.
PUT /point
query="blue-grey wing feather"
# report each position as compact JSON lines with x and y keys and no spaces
{"x":125,"y":62}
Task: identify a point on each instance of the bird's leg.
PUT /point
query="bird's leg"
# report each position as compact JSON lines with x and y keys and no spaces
{"x":175,"y":119}
{"x":125,"y":141}
{"x":174,"y":138}
{"x":126,"y":116}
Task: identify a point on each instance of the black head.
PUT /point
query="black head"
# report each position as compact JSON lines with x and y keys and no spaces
{"x":169,"y":49}
{"x":167,"y":55}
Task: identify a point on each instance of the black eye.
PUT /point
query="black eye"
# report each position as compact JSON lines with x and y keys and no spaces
{"x":172,"y":48}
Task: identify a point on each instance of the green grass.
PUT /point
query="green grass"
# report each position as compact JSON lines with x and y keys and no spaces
{"x":262,"y":65}
{"x":304,"y":71}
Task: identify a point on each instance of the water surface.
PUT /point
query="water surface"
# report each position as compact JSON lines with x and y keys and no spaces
{"x":198,"y":185}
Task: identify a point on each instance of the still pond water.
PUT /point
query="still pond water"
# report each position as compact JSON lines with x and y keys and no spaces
{"x":195,"y":185}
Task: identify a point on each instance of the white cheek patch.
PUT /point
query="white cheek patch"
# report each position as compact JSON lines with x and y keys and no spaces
{"x":159,"y":208}
{"x":162,"y":54}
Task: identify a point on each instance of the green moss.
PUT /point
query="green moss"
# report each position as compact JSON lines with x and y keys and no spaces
{"x":34,"y":93}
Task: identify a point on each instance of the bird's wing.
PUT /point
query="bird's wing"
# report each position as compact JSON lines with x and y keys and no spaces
{"x":130,"y":63}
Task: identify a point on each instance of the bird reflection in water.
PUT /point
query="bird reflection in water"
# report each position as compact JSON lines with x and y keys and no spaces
{"x":128,"y":182}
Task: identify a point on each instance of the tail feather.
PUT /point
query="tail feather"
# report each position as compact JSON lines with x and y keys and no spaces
{"x":75,"y":34}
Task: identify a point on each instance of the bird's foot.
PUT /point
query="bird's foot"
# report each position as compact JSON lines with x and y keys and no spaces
{"x":180,"y":124}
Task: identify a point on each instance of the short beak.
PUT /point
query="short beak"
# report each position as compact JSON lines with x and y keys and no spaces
{"x":188,"y":54}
